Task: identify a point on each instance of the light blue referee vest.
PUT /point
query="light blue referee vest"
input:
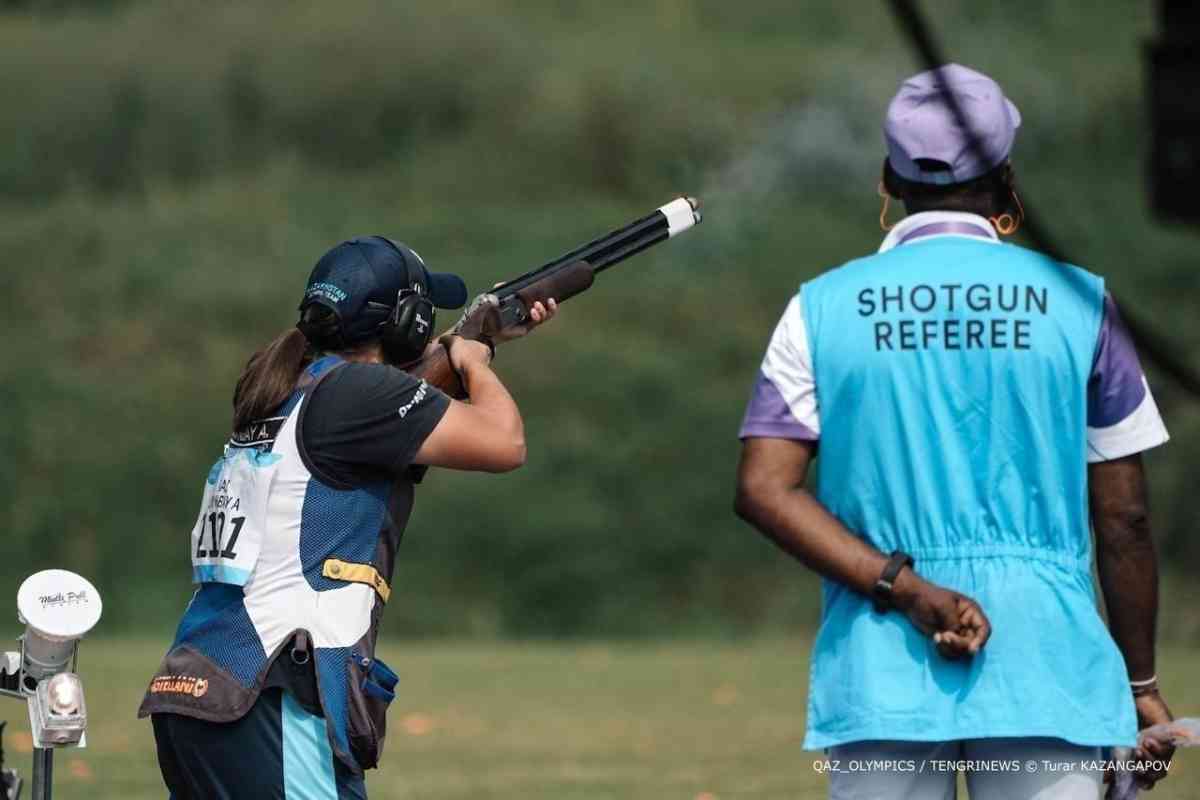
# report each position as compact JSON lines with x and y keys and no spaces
{"x":951,"y":376}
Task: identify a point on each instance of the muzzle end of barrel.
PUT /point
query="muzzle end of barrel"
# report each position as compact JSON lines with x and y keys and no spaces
{"x":681,"y":214}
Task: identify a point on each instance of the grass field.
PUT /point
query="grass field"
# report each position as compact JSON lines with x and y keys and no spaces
{"x":696,"y":721}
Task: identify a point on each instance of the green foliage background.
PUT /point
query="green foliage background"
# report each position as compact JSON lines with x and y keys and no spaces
{"x":170,"y":171}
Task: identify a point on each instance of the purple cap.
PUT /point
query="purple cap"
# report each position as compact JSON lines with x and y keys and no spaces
{"x":921,"y":127}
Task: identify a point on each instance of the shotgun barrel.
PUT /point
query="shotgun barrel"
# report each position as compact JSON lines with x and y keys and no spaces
{"x":564,"y":274}
{"x":562,"y":278}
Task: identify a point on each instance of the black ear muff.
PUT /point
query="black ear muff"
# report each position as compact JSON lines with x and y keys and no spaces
{"x":409,"y":329}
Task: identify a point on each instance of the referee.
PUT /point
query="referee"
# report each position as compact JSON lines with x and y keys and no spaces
{"x":975,"y":406}
{"x":272,"y":688}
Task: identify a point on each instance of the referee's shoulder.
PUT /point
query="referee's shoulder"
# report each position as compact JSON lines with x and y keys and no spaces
{"x":846,"y":271}
{"x":1045,"y":270}
{"x":1017,"y":252}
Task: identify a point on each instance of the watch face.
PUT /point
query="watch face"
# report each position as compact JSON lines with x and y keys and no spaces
{"x":881,"y":595}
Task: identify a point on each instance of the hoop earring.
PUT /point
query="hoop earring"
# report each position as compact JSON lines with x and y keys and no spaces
{"x":1006,"y":224}
{"x":883,"y":223}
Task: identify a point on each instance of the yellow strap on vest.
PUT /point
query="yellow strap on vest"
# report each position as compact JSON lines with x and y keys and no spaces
{"x":356,"y":573}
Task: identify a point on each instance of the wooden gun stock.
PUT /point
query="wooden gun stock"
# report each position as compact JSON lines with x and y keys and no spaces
{"x":562,"y":285}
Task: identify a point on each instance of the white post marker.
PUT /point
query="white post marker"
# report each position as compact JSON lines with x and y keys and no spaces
{"x":57,"y":607}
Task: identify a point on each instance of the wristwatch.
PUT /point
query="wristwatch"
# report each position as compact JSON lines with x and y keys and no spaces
{"x":881,"y":593}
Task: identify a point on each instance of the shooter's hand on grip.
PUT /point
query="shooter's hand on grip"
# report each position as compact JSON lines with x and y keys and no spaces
{"x":436,"y":370}
{"x":465,"y":353}
{"x":443,"y":369}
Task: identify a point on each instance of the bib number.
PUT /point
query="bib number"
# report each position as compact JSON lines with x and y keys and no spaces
{"x":216,"y":528}
{"x":228,"y":535}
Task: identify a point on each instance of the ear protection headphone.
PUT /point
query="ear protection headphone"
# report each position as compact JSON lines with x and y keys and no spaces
{"x":408,"y":329}
{"x":406,"y":332}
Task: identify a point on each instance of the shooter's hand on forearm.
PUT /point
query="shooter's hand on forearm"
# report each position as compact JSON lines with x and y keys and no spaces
{"x":539,"y":314}
{"x":479,"y":321}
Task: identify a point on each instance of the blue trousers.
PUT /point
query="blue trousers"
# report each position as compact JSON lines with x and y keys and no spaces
{"x":277,"y":751}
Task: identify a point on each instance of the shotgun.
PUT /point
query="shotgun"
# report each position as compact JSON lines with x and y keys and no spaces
{"x":566,"y":276}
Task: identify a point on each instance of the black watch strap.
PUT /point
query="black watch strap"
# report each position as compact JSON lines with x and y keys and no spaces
{"x":881,"y":593}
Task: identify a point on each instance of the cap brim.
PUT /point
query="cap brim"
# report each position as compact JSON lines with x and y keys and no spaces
{"x":446,"y":290}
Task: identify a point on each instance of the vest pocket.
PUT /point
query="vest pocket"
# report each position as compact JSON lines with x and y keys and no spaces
{"x":381,"y":676}
{"x":372,"y":690}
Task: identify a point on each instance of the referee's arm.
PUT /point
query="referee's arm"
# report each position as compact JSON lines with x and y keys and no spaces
{"x":1125,"y":558}
{"x":1123,"y":421}
{"x":1128,"y":569}
{"x":771,"y":497}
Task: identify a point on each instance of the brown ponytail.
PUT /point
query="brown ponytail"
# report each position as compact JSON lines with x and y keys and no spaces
{"x":269,"y":377}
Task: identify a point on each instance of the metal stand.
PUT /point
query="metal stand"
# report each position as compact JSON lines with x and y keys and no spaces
{"x":43,"y":772}
{"x":57,"y":608}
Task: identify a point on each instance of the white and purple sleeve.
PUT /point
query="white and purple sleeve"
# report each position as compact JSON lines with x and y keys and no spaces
{"x":1122,"y":416}
{"x":783,"y":404}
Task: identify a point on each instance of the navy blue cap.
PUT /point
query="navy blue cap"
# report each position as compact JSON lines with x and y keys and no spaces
{"x":360,"y":280}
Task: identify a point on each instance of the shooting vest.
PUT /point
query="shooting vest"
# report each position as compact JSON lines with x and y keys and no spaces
{"x":292,"y":567}
{"x":951,"y":375}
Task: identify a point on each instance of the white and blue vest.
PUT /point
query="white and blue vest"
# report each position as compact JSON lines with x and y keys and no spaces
{"x":278,"y":551}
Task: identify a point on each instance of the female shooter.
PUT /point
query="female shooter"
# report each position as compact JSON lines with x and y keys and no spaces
{"x":271,"y":688}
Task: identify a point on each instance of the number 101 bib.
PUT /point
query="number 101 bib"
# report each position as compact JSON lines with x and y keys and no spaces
{"x":228,"y":535}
